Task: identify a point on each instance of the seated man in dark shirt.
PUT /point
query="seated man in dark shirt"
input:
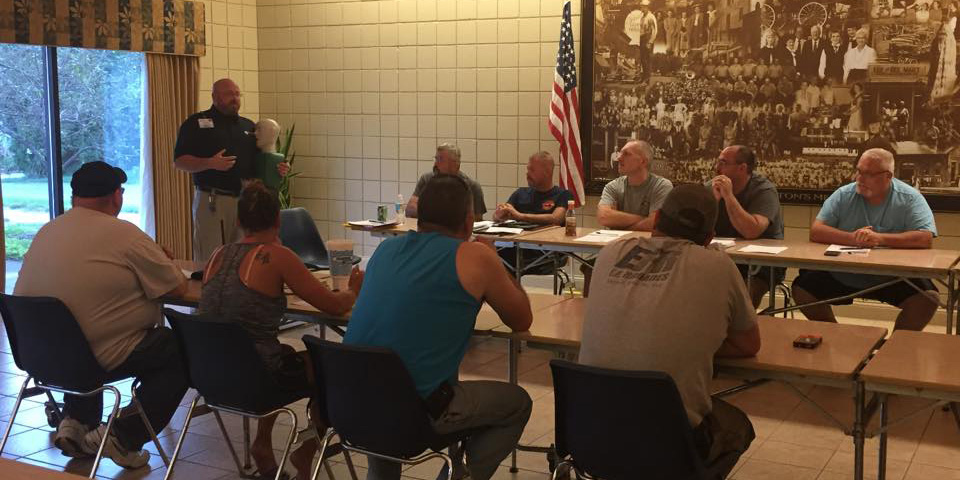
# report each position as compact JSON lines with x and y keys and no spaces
{"x":541,"y":202}
{"x":749,"y":209}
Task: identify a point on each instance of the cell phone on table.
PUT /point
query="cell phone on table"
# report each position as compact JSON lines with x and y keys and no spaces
{"x":832,"y":253}
{"x":808,"y":341}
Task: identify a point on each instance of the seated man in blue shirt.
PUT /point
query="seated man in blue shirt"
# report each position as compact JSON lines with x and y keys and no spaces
{"x":421,"y":296}
{"x":541,"y":202}
{"x":877,"y":210}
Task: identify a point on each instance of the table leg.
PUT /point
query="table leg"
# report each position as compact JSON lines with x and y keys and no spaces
{"x":513,"y":361}
{"x":858,"y":431}
{"x":882,"y":454}
{"x":951,"y":294}
{"x":773,"y":293}
{"x":518,"y":271}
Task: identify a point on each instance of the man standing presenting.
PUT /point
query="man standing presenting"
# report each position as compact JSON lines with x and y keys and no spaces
{"x":218,"y":147}
{"x":641,"y":316}
{"x":749,"y":209}
{"x":447,"y":161}
{"x":428,"y":322}
{"x":877,"y":210}
{"x":110,"y":276}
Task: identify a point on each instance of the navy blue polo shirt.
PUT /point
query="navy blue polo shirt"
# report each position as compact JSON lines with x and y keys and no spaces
{"x":205,"y":133}
{"x":528,"y":200}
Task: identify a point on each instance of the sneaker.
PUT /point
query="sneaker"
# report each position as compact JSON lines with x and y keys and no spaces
{"x":113,"y":450}
{"x":69,"y":438}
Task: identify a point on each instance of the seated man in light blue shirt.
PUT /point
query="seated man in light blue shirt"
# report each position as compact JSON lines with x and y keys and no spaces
{"x":876,"y":210}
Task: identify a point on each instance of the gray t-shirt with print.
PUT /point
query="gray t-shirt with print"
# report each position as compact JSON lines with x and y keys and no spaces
{"x":640,"y":316}
{"x":640,"y":199}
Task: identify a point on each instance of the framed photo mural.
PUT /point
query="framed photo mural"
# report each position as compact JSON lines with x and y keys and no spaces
{"x":807,"y":84}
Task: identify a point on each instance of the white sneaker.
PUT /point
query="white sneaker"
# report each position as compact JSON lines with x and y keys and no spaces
{"x":69,"y":438}
{"x":113,"y":450}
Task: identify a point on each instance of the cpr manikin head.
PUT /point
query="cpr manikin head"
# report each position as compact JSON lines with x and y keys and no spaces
{"x":267,"y":132}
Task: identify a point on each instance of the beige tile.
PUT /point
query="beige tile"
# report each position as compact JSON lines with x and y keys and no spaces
{"x":791,"y":454}
{"x":754,"y":469}
{"x":842,"y":462}
{"x":919,"y":471}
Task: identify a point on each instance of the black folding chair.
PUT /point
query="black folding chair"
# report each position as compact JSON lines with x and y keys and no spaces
{"x":299,"y":233}
{"x":623,"y":425}
{"x":36,"y":328}
{"x":229,"y":375}
{"x":372,"y":403}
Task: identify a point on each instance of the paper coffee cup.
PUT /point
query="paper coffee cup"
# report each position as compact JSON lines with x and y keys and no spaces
{"x":341,"y":261}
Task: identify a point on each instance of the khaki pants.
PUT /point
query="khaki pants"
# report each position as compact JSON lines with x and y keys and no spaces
{"x":214,"y":223}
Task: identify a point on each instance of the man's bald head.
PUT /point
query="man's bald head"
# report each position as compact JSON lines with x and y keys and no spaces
{"x":226,"y":96}
{"x":880,"y":159}
{"x":635,"y":157}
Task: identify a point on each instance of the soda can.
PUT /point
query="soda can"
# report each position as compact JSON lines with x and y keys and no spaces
{"x":381,"y":213}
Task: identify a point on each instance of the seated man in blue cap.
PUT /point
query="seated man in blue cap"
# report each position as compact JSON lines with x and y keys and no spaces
{"x":110,"y":275}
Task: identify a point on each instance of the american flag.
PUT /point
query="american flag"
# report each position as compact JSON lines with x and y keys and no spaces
{"x":564,"y":121}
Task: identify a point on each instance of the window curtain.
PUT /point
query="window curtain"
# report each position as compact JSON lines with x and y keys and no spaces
{"x":162,"y":26}
{"x":172,"y":90}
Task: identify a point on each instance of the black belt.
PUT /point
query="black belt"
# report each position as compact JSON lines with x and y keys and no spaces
{"x":217,"y":191}
{"x":438,"y":401}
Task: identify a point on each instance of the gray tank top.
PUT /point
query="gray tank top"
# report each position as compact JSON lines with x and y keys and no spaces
{"x":227,"y":297}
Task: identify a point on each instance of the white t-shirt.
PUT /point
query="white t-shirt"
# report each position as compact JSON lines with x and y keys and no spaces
{"x":107,"y":272}
{"x":664,"y":304}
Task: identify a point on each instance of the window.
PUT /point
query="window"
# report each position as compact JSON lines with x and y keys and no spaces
{"x":98,"y":97}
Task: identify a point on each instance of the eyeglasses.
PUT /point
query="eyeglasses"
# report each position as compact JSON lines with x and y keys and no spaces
{"x":874,"y":174}
{"x":722,"y":162}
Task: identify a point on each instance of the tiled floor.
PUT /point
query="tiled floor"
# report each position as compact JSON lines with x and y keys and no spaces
{"x":794,"y":441}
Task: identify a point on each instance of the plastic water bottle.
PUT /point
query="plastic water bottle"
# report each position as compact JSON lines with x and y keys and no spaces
{"x":400,"y":207}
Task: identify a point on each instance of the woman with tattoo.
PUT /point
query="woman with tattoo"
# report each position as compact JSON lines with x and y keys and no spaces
{"x":243,"y":282}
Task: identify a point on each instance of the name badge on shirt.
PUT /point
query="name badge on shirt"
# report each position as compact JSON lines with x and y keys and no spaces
{"x":205,"y":122}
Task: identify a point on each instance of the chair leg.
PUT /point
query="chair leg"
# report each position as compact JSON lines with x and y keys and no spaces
{"x":289,"y":442}
{"x":146,"y":422}
{"x":561,"y":470}
{"x":246,"y":442}
{"x":16,"y":407}
{"x":182,"y":437}
{"x":241,"y":469}
{"x":449,"y":465}
{"x":349,"y":462}
{"x":323,"y":449}
{"x":326,"y":466}
{"x":114,"y":413}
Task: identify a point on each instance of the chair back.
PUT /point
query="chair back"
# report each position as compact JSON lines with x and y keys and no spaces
{"x":371,"y":399}
{"x":619,"y":424}
{"x":224,"y":366}
{"x":39,"y":326}
{"x":299,"y":233}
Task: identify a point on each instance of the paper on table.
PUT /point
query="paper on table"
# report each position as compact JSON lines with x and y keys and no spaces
{"x":185,"y":272}
{"x":483,"y":224}
{"x":371,"y":223}
{"x":602,"y":236}
{"x":846,"y":250}
{"x":507,"y":230}
{"x":762,"y":249}
{"x":723,"y":242}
